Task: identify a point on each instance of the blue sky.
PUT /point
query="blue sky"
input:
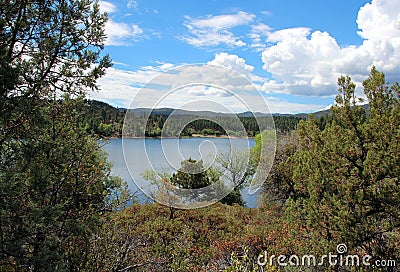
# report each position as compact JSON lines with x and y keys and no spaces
{"x":292,"y":51}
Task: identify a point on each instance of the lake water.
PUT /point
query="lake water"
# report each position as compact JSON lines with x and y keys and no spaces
{"x":166,"y":155}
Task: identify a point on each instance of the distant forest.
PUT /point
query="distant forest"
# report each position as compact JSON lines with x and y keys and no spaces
{"x":105,"y":120}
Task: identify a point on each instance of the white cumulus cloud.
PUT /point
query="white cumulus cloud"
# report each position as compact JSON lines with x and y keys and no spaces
{"x":303,"y":64}
{"x":309,"y":63}
{"x":232,"y":62}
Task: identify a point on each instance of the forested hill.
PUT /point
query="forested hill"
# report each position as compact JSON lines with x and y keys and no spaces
{"x":106,"y":121}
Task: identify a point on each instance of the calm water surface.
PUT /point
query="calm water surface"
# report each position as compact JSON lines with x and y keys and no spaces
{"x":166,"y":155}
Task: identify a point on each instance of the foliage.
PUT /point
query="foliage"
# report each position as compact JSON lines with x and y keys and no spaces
{"x":53,"y":188}
{"x":345,"y":178}
{"x":54,"y":180}
{"x":49,"y":46}
{"x":99,"y":114}
{"x":284,"y":124}
{"x":143,"y":238}
{"x":240,"y":263}
{"x":191,"y":175}
{"x":102,"y":119}
{"x":263,"y":140}
{"x":234,"y":197}
{"x":213,"y":126}
{"x":278,"y":186}
{"x":238,"y":170}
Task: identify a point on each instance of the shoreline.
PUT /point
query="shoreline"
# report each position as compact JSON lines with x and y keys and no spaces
{"x":182,"y":137}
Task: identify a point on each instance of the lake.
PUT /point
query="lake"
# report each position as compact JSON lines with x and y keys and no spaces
{"x":166,"y":155}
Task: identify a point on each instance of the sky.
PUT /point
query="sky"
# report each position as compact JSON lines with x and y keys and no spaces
{"x":290,"y":52}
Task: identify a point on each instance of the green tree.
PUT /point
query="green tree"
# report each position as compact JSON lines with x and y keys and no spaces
{"x":234,"y":197}
{"x":278,"y":186}
{"x":346,"y":176}
{"x":191,"y":175}
{"x":105,"y":129}
{"x":46,"y":48}
{"x":54,"y":180}
{"x":265,"y":139}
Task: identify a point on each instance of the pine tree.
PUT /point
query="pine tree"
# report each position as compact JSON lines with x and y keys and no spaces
{"x":346,"y":176}
{"x":54,"y":180}
{"x":191,"y":175}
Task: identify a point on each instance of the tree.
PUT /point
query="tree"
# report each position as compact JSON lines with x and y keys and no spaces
{"x":346,"y":176}
{"x":47,"y":48}
{"x":191,"y":175}
{"x":237,"y":168}
{"x":234,"y":197}
{"x":236,"y":164}
{"x":278,"y":187}
{"x":164,"y":191}
{"x":54,"y":180}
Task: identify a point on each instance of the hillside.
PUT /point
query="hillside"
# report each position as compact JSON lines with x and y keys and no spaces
{"x":105,"y":120}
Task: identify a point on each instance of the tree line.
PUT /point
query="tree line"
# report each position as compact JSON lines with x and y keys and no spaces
{"x":104,"y":120}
